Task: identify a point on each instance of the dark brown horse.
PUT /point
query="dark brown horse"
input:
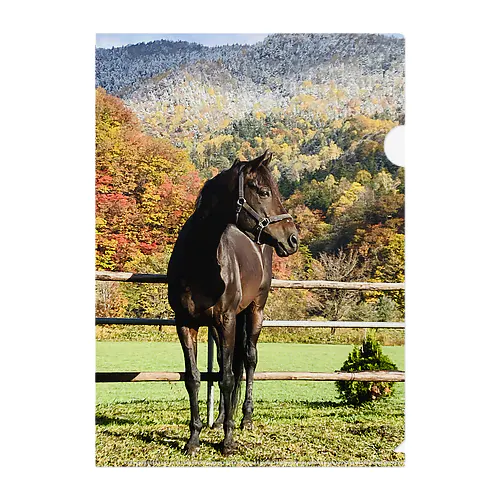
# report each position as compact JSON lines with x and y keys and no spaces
{"x":219,"y":276}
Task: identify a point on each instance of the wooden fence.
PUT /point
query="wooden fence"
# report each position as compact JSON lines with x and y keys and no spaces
{"x":210,"y":376}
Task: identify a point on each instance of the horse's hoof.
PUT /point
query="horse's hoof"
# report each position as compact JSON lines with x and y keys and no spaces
{"x":191,"y":449}
{"x":229,"y":449}
{"x":246,"y":425}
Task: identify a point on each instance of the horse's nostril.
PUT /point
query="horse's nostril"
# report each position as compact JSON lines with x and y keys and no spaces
{"x":294,"y":241}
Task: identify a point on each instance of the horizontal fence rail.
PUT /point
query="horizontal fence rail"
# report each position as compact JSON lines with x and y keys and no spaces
{"x":310,"y":284}
{"x":373,"y":376}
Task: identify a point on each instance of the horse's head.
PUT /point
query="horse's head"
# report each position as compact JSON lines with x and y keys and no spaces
{"x":259,"y":211}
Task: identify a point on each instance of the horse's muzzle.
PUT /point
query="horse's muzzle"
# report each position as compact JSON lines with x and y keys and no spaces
{"x":284,"y":249}
{"x":293,"y":241}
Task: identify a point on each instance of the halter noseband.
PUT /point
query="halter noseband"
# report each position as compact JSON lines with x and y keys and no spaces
{"x":262,"y":222}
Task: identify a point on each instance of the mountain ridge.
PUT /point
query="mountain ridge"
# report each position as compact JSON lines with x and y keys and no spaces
{"x":202,"y":89}
{"x":116,"y":68}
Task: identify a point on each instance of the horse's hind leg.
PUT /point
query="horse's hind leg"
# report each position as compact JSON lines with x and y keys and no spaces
{"x":254,"y":318}
{"x":220,"y":417}
{"x":188,"y":337}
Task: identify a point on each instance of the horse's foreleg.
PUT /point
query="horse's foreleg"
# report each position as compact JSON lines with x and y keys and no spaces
{"x":254,"y":320}
{"x":226,"y":333}
{"x":238,"y":360}
{"x":188,"y":338}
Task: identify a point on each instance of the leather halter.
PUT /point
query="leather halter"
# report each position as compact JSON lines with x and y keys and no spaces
{"x":262,"y":222}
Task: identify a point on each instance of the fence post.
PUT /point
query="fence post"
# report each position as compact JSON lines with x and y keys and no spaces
{"x":210,"y":382}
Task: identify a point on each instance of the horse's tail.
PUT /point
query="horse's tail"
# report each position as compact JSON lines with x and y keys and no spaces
{"x":239,"y":357}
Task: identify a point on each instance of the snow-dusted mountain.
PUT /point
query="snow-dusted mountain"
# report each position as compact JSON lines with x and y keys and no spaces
{"x":183,"y":88}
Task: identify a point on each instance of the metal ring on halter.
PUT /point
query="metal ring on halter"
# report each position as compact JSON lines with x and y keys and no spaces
{"x":239,"y":205}
{"x":263,"y":223}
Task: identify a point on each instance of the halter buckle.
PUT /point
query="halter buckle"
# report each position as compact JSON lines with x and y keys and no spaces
{"x":263,"y":223}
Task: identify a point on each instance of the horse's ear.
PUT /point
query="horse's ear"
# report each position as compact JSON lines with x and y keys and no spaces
{"x":267,"y":158}
{"x":262,"y":161}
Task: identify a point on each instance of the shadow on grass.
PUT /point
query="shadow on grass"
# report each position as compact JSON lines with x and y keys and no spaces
{"x":155,"y":437}
{"x":160,"y":437}
{"x":369,"y":405}
{"x":103,"y":420}
{"x":149,"y":436}
{"x":321,"y":404}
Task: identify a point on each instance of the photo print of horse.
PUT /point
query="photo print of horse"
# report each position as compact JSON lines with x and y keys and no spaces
{"x":249,"y":250}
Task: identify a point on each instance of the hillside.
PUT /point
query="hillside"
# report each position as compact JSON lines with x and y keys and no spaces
{"x":274,"y":61}
{"x":198,"y":90}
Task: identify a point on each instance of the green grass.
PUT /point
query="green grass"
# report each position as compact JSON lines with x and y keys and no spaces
{"x":167,"y":356}
{"x":285,"y":433}
{"x":295,"y":422}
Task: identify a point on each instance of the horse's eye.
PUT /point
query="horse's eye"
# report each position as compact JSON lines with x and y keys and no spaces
{"x":265,"y":194}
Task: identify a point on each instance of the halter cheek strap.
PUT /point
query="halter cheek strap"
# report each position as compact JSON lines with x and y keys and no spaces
{"x":262,"y":222}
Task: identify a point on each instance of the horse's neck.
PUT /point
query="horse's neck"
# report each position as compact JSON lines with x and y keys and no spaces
{"x":203,"y":234}
{"x":210,"y":219}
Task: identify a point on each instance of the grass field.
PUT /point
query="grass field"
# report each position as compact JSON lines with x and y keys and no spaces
{"x":295,"y":422}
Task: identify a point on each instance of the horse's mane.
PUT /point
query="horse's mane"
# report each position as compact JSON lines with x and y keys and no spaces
{"x":211,"y":195}
{"x":200,"y":195}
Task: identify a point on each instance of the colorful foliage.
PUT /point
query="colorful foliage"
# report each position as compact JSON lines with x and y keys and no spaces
{"x":145,"y":187}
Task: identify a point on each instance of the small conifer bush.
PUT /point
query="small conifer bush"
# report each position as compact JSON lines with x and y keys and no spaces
{"x":367,"y":357}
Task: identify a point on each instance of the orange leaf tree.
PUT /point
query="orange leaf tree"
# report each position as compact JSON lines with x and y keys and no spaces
{"x":145,"y":187}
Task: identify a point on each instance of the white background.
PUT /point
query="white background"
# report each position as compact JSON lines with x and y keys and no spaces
{"x":48,"y":262}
